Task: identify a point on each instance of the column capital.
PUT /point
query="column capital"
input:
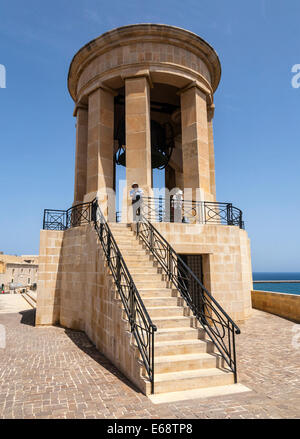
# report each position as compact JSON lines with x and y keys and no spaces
{"x":81,"y":106}
{"x":108,"y":90}
{"x":144,"y":73}
{"x":195,"y":84}
{"x":210,"y":112}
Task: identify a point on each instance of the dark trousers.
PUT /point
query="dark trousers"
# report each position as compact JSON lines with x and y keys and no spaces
{"x":136,"y":208}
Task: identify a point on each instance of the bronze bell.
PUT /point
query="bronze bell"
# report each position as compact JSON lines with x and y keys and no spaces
{"x":162,"y":143}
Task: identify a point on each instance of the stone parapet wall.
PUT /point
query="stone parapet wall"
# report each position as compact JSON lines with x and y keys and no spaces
{"x":283,"y":305}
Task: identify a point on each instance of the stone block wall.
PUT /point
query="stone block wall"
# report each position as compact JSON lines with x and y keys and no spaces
{"x":226,"y":261}
{"x":283,"y":305}
{"x":49,"y":278}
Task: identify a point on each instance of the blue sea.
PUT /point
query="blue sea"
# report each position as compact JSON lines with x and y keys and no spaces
{"x":289,"y":288}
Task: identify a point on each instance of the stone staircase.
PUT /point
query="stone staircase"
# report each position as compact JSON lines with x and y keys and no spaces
{"x":30,"y":297}
{"x":184,"y":357}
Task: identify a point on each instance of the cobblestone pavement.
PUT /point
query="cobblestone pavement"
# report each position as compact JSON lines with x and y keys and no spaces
{"x":52,"y":372}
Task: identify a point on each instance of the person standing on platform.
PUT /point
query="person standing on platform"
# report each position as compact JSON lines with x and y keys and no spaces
{"x":136,"y":195}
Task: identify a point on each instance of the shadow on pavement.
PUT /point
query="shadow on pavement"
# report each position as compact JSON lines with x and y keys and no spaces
{"x":28,"y":317}
{"x":81,"y":340}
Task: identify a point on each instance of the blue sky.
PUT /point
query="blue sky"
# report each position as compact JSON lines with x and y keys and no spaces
{"x":256,"y":125}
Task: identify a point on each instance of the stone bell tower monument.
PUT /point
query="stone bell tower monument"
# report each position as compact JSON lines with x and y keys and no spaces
{"x":161,"y":296}
{"x":144,"y":99}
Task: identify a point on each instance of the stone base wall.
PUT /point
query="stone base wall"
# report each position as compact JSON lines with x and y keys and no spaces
{"x":76,"y":290}
{"x":49,"y":278}
{"x":283,"y":305}
{"x":226,"y":261}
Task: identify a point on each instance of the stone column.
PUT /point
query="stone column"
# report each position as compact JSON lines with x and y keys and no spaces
{"x":195,"y":150}
{"x":210,"y":115}
{"x":81,"y":113}
{"x":138,"y":135}
{"x":100,"y":146}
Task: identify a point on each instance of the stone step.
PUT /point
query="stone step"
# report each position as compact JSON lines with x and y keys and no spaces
{"x":155,"y":292}
{"x":122,"y":232}
{"x":141,"y":270}
{"x":29,"y":299}
{"x":147,"y":280}
{"x":136,"y":258}
{"x":159,"y":301}
{"x":165,"y":311}
{"x":176,"y":334}
{"x":133,"y":252}
{"x":180,"y":347}
{"x":178,"y":363}
{"x":32,"y":295}
{"x":146,"y":277}
{"x":171,"y":322}
{"x":127,"y":246}
{"x":126,"y":242}
{"x":139,"y":264}
{"x":192,"y":379}
{"x":150,"y":284}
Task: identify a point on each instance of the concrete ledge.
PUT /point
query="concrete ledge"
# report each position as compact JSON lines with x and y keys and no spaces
{"x":280,"y":304}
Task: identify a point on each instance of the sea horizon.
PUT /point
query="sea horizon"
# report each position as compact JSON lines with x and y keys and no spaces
{"x":286,"y":288}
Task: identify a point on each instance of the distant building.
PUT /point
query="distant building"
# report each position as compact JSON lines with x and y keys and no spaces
{"x":18,"y":272}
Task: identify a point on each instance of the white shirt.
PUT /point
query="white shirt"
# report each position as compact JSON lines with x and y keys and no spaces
{"x":177,"y":200}
{"x":135,"y":192}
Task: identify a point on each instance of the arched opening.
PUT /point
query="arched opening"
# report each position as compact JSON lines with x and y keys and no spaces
{"x":166,"y":154}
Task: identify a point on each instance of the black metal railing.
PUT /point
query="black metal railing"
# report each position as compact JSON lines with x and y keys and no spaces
{"x":140,"y":322}
{"x":220,"y":328}
{"x":159,"y":209}
{"x":64,"y":219}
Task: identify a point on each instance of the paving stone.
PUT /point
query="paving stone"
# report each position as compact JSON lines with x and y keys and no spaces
{"x":45,"y":373}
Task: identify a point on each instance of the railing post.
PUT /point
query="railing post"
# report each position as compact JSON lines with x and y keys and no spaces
{"x":44,"y":218}
{"x":65,"y":220}
{"x":170,"y":265}
{"x":234,"y":354}
{"x":204,"y":213}
{"x":131,"y":306}
{"x":152,"y":359}
{"x":118,"y":269}
{"x":93,"y":211}
{"x":241,"y":220}
{"x":151,"y":239}
{"x":108,"y":246}
{"x":229,"y":214}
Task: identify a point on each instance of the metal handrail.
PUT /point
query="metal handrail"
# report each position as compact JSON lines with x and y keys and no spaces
{"x":77,"y":215}
{"x":140,"y":322}
{"x":160,"y":209}
{"x":220,"y":328}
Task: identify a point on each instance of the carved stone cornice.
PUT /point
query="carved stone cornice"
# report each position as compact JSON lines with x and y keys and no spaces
{"x":155,"y":34}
